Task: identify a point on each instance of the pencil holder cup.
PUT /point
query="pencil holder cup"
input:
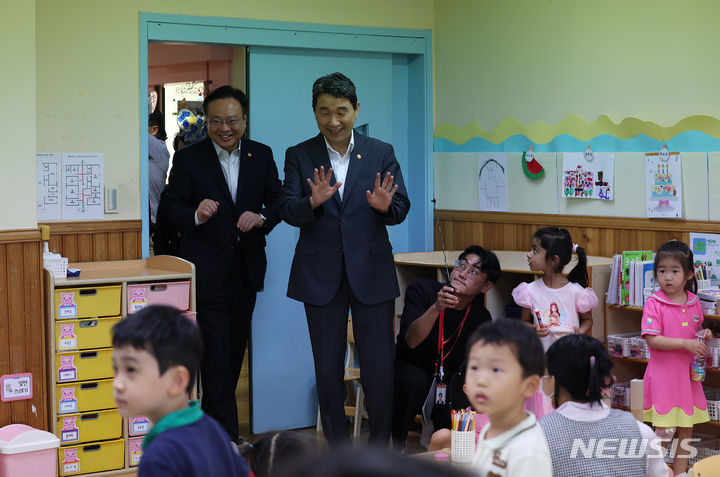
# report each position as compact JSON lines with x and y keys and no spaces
{"x":462,"y":446}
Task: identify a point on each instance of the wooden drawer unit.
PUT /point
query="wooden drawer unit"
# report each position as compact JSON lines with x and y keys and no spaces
{"x":83,"y":365}
{"x":84,"y":396}
{"x":92,"y":457}
{"x":140,"y":295}
{"x":89,"y":427}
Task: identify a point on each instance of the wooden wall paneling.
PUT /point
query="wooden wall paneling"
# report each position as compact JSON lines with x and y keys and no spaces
{"x":600,"y":236}
{"x":115,"y":245}
{"x":93,"y":241}
{"x":22,"y":342}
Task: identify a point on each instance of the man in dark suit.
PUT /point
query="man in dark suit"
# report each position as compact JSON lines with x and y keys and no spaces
{"x":342,"y":189}
{"x":222,"y":195}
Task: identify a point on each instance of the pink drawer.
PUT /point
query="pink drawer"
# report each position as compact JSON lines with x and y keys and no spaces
{"x":191,"y":315}
{"x":139,"y":425}
{"x":175,"y":294}
{"x":135,"y":451}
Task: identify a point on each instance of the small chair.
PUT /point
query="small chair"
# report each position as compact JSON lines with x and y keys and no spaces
{"x":707,"y":467}
{"x":352,"y":377}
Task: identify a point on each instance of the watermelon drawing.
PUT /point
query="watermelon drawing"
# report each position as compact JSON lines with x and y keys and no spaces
{"x":532,"y":167}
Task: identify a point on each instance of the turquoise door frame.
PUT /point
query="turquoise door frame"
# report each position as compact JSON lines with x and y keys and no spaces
{"x":416,"y":44}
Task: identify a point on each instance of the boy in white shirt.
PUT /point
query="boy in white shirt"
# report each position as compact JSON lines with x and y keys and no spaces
{"x":505,"y":363}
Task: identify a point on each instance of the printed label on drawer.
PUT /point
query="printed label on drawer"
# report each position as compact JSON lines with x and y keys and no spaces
{"x":68,"y":307}
{"x":67,"y":371}
{"x":71,"y":464}
{"x":135,"y":451}
{"x":67,"y":338}
{"x":69,"y":432}
{"x":140,"y":425}
{"x":138,"y":301}
{"x":67,"y":403}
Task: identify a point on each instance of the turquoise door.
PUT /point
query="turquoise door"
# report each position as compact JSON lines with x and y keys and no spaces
{"x":280,"y":90}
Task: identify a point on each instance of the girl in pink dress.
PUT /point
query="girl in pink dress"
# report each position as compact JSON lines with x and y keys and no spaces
{"x":554,"y":304}
{"x":670,"y":322}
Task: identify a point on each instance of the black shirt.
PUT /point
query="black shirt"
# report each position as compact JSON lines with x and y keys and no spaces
{"x":418,"y":298}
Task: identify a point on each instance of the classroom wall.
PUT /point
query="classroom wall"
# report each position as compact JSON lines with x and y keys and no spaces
{"x":545,"y":60}
{"x":88,"y":72}
{"x":17,"y":121}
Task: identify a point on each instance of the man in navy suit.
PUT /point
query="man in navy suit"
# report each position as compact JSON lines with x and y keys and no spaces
{"x":342,"y":189}
{"x":222,"y":195}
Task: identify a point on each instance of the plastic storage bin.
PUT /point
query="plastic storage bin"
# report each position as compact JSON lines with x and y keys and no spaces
{"x":25,"y":451}
{"x":95,"y":457}
{"x":175,"y":294}
{"x":72,"y":335}
{"x":89,"y":426}
{"x":85,"y":396}
{"x":83,"y":365}
{"x":87,"y":302}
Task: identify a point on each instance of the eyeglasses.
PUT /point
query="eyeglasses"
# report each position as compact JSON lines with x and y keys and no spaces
{"x":216,"y":123}
{"x":471,"y":270}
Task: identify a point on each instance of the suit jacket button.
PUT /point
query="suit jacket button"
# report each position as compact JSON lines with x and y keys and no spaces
{"x":339,"y":249}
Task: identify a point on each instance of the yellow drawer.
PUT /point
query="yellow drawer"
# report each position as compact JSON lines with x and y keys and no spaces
{"x":89,"y":426}
{"x":87,"y":302}
{"x":85,"y":396}
{"x":92,"y":457}
{"x":84,"y":334}
{"x":83,"y":365}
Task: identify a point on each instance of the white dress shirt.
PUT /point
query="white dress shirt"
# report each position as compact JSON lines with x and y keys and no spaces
{"x":230,"y":165}
{"x":340,"y":163}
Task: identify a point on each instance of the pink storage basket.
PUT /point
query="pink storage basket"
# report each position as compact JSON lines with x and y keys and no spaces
{"x":140,"y":295}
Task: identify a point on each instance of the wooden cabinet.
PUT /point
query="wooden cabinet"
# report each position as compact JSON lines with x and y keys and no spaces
{"x":515,"y":269}
{"x":80,"y":314}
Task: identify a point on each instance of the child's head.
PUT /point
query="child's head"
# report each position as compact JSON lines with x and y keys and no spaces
{"x":476,"y":271}
{"x":672,"y":259}
{"x":156,"y":356}
{"x":552,"y":249}
{"x":275,"y":450}
{"x":504,"y":364}
{"x":580,"y":365}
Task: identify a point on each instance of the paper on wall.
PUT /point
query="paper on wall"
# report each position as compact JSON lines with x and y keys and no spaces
{"x":82,"y":186}
{"x":583,"y":179}
{"x":663,"y":185}
{"x":48,"y":176}
{"x":492,"y":181}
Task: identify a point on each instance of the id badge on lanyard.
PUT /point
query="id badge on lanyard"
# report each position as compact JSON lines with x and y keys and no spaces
{"x":441,"y":388}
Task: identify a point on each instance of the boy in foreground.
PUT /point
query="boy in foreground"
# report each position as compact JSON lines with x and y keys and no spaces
{"x":505,"y":362}
{"x":156,"y":355}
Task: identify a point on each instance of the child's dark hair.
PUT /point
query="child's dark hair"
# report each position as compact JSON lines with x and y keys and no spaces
{"x":522,"y":339}
{"x":275,"y":450}
{"x":557,"y":241}
{"x":679,"y":251}
{"x":581,"y":365}
{"x":165,"y":333}
{"x":489,"y":263}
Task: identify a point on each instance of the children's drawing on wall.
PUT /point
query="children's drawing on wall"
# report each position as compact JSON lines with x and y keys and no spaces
{"x":492,"y":181}
{"x":588,"y":179}
{"x":663,"y":184}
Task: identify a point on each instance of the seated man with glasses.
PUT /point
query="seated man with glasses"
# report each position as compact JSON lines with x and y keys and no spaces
{"x":425,"y":354}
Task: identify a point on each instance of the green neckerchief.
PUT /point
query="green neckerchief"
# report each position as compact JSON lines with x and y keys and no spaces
{"x":179,"y":418}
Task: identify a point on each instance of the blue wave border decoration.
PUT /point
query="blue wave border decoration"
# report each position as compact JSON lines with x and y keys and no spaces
{"x":688,"y":141}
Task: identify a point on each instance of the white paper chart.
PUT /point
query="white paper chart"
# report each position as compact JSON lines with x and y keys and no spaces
{"x":49,"y":206}
{"x":82,"y":181}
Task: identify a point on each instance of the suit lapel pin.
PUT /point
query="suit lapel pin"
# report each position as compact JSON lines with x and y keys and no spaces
{"x":358,"y":156}
{"x":249,"y":154}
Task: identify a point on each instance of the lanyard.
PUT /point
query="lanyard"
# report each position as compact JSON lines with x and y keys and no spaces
{"x":442,"y":342}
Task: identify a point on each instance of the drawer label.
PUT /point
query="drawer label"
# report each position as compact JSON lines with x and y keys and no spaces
{"x":67,"y":338}
{"x":69,"y":432}
{"x":137,"y":300}
{"x":71,"y":464}
{"x":68,"y":403}
{"x":135,"y":451}
{"x":140,"y":425}
{"x":68,"y":307}
{"x":67,"y":371}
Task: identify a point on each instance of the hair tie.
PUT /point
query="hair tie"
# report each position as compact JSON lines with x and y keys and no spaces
{"x":575,"y":247}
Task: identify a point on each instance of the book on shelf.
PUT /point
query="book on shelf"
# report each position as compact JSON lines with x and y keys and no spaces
{"x":628,"y":257}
